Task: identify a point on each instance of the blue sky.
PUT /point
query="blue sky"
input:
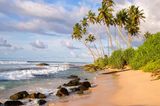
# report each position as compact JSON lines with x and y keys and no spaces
{"x":41,"y":29}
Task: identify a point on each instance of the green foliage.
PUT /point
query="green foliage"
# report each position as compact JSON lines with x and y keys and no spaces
{"x":90,"y":68}
{"x":101,"y":62}
{"x":116,"y":59}
{"x":152,"y":66}
{"x":149,"y":51}
{"x":128,"y":54}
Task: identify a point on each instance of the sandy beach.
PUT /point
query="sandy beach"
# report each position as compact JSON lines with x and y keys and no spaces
{"x":130,"y":88}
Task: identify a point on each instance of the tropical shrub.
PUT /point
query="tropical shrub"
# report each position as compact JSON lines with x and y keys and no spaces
{"x":116,"y":59}
{"x":128,"y":54}
{"x":101,"y":62}
{"x":152,"y":66}
{"x":149,"y":51}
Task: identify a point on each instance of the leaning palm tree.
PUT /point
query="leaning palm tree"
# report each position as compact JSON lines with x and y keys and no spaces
{"x":106,"y":16}
{"x":91,"y":39}
{"x":134,"y":18}
{"x":120,"y":21}
{"x":78,"y":32}
{"x":91,"y":16}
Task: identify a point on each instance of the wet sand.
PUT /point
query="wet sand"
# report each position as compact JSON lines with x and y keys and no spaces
{"x":130,"y":88}
{"x":98,"y":96}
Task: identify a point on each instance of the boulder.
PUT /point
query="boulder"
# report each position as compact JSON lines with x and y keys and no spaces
{"x":37,"y":95}
{"x":62,"y":92}
{"x":1,"y":104}
{"x":41,"y":102}
{"x":74,"y":82}
{"x":13,"y":103}
{"x":87,"y":84}
{"x":75,"y":89}
{"x":83,"y":88}
{"x":19,"y":95}
{"x":42,"y":64}
{"x":73,"y":77}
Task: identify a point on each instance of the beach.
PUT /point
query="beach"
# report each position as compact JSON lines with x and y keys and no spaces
{"x":129,"y":88}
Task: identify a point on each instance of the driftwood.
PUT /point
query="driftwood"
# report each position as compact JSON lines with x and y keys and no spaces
{"x":113,"y":72}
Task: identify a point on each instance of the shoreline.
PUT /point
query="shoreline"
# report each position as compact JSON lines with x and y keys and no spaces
{"x":129,"y":88}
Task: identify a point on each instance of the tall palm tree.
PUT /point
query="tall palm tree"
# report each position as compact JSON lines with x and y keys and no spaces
{"x":91,"y":16}
{"x":120,"y":21}
{"x":106,"y":16}
{"x":78,"y":32}
{"x":134,"y":18}
{"x":91,"y":39}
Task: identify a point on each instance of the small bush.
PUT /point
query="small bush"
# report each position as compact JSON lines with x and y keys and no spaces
{"x":101,"y":62}
{"x":149,"y":51}
{"x":116,"y":59}
{"x":152,"y":66}
{"x":128,"y":54}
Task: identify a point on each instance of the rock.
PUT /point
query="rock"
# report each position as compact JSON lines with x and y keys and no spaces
{"x":13,"y":103}
{"x":41,"y":102}
{"x":73,"y":82}
{"x":62,"y":92}
{"x":80,"y":92}
{"x":1,"y":104}
{"x":73,"y":77}
{"x":87,"y":84}
{"x":37,"y":96}
{"x":75,"y":89}
{"x":59,"y":87}
{"x":83,"y":88}
{"x":19,"y":95}
{"x":42,"y":64}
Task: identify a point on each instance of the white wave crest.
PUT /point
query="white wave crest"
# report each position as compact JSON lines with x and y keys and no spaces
{"x":28,"y":74}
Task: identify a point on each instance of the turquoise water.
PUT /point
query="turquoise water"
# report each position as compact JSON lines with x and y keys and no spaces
{"x":15,"y":77}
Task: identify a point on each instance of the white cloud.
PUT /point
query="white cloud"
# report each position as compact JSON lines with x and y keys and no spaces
{"x":68,"y":44}
{"x":38,"y":44}
{"x":4,"y":43}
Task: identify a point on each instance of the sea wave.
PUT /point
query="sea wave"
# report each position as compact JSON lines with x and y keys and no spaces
{"x":31,"y":73}
{"x":13,"y":62}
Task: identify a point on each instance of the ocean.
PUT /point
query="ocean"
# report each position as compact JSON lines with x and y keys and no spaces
{"x":18,"y":76}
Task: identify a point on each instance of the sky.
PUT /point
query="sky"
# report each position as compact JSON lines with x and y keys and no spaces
{"x":41,"y":29}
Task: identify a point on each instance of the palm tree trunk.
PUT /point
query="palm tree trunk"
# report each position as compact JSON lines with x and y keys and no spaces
{"x":93,"y":55}
{"x":99,"y":55}
{"x":130,"y":40}
{"x":100,"y":43}
{"x":122,"y":36}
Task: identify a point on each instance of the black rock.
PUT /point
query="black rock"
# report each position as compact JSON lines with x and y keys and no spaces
{"x":73,"y":82}
{"x":62,"y":92}
{"x":73,"y":76}
{"x":75,"y":89}
{"x":80,"y":92}
{"x":19,"y":95}
{"x":42,"y":64}
{"x":42,"y":102}
{"x":37,"y":95}
{"x":1,"y":104}
{"x":83,"y":88}
{"x":87,"y":84}
{"x":13,"y":103}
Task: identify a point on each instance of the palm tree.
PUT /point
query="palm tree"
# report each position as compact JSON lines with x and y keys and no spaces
{"x":91,"y":16}
{"x":106,"y":16}
{"x":134,"y":17}
{"x":120,"y":22}
{"x":147,"y":35}
{"x":78,"y":32}
{"x":91,"y":39}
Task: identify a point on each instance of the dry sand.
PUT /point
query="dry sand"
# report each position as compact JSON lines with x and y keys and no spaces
{"x":137,"y":88}
{"x":130,"y":88}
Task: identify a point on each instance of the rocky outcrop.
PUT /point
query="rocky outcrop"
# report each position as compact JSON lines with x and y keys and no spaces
{"x":19,"y":95}
{"x":13,"y":103}
{"x":37,"y":96}
{"x":42,"y":64}
{"x":62,"y":92}
{"x":41,"y":102}
{"x":73,"y":77}
{"x":74,"y":82}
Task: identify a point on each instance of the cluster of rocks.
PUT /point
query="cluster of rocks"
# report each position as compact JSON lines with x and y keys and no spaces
{"x":15,"y":98}
{"x":75,"y":85}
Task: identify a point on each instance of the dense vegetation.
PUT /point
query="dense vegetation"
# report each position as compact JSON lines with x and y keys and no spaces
{"x":145,"y":57}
